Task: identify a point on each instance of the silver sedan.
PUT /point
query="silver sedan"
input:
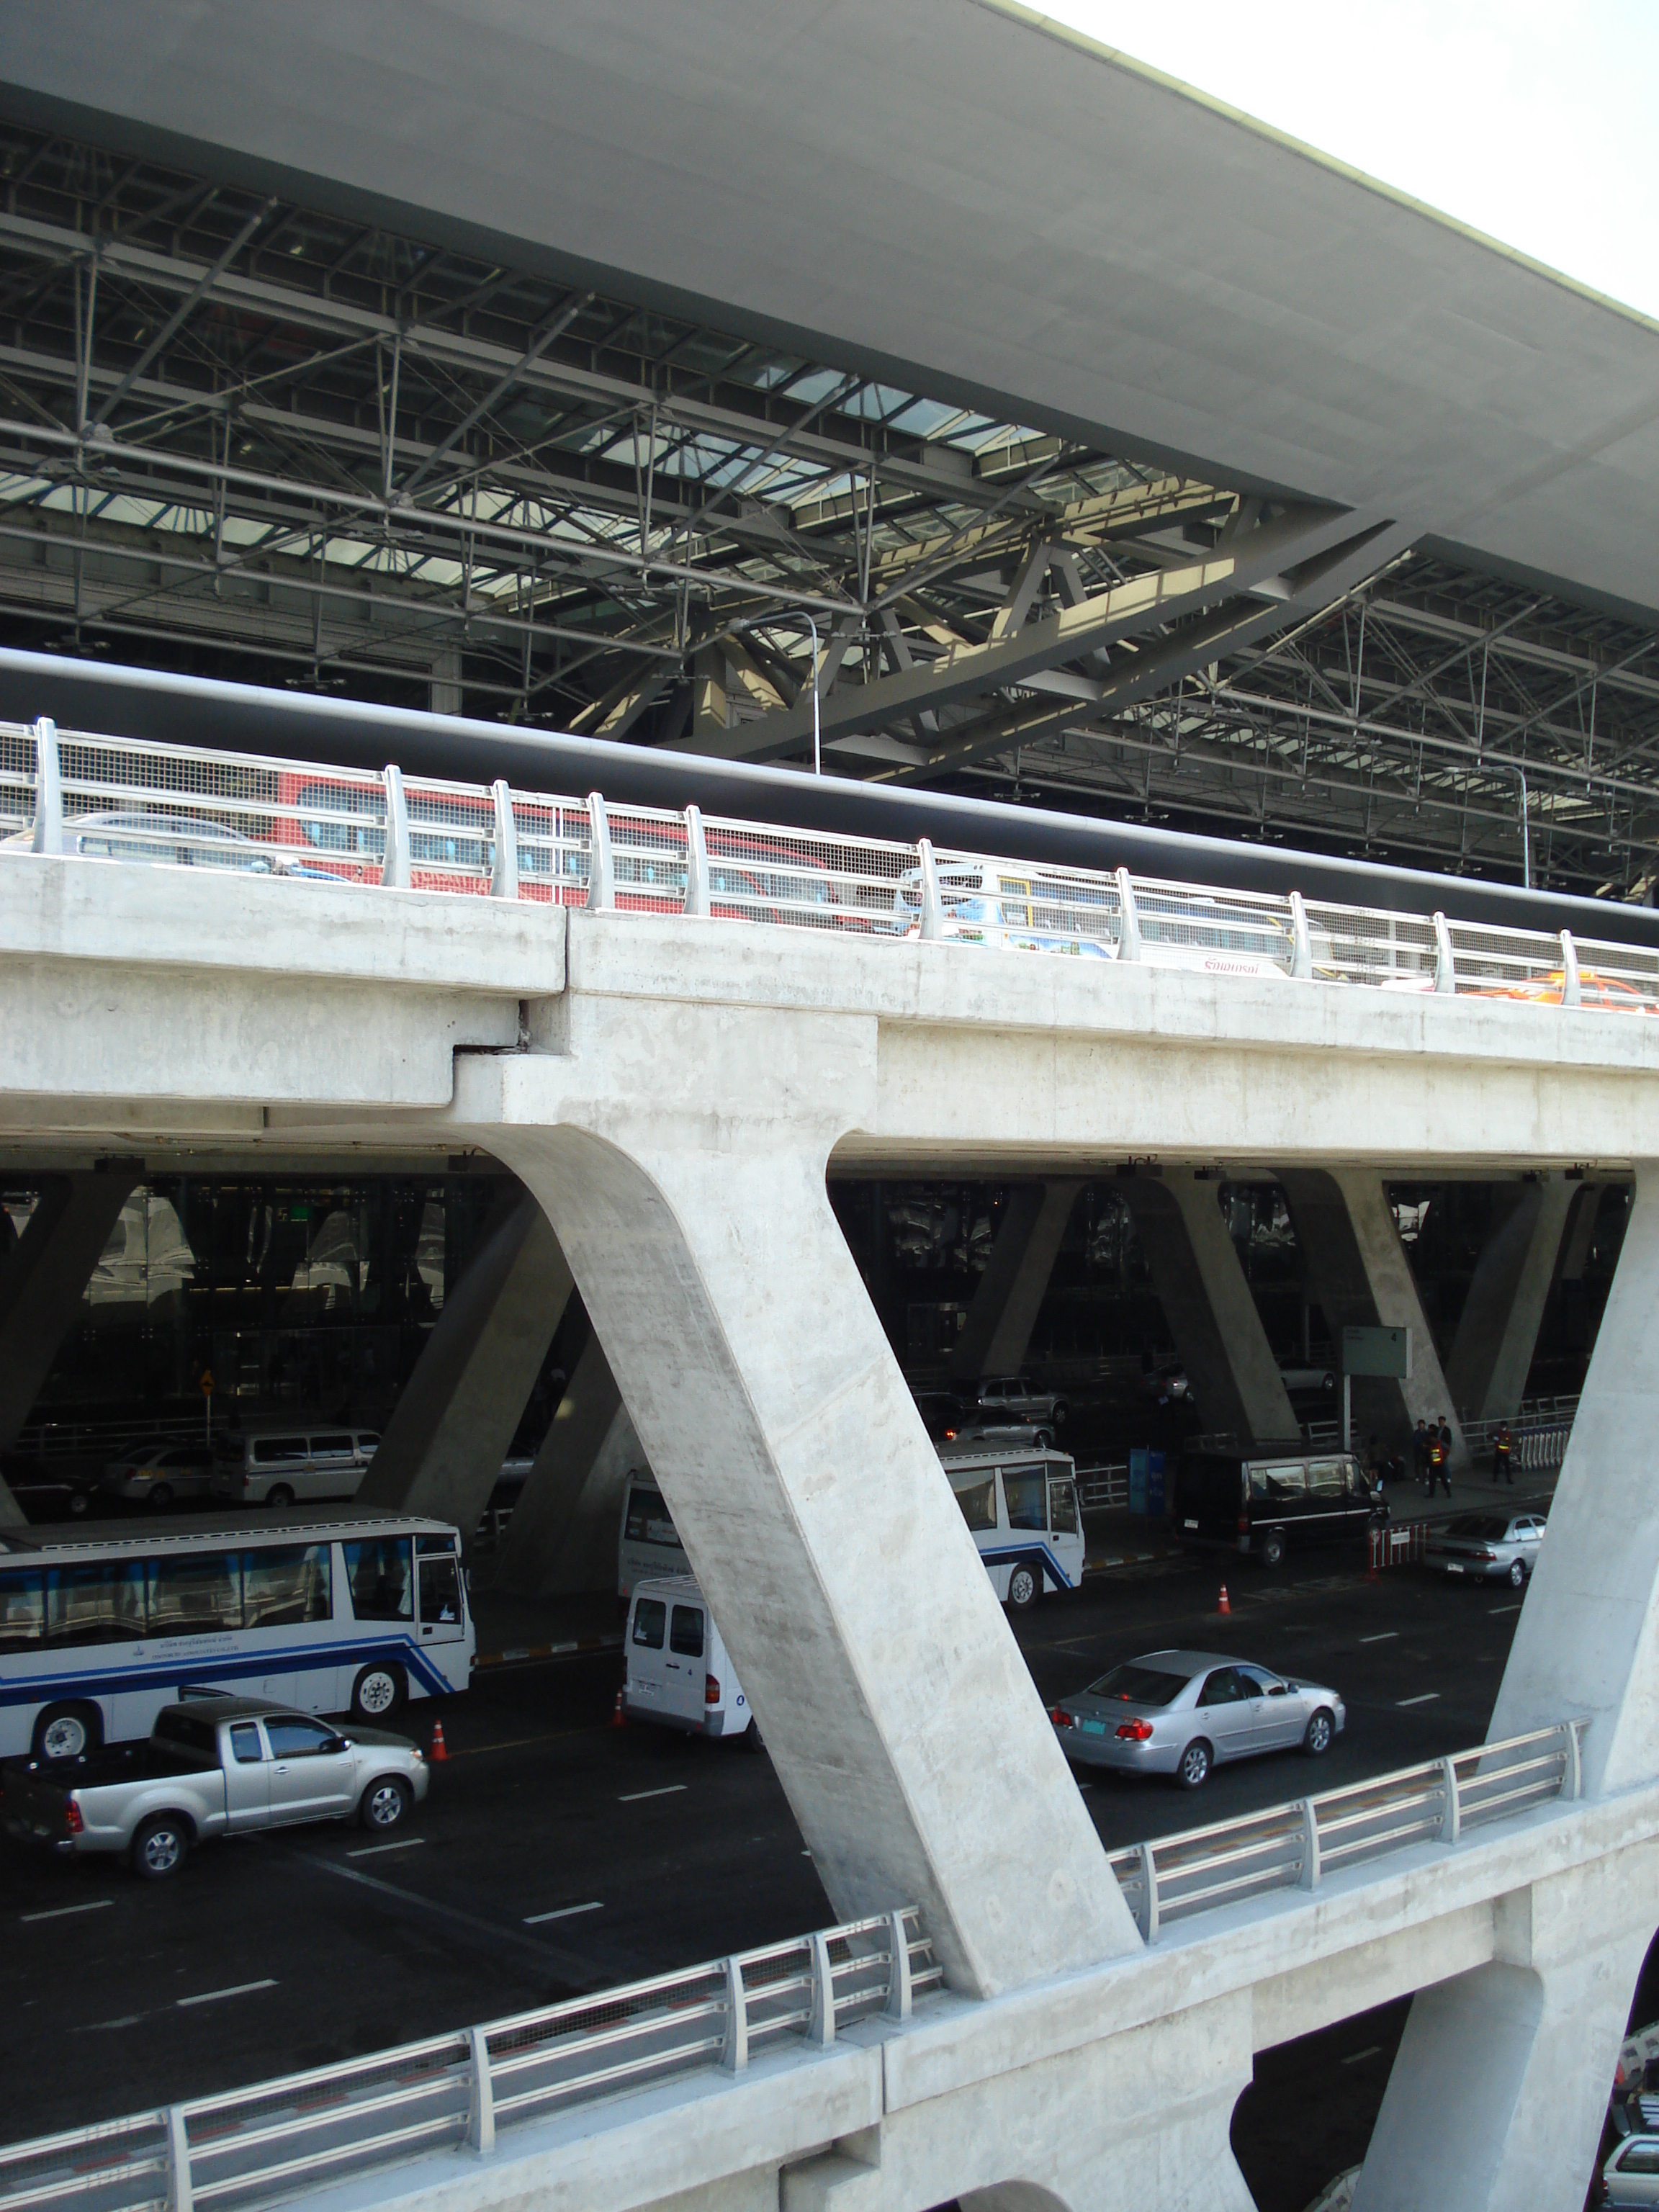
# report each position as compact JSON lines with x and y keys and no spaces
{"x":1489,"y":1548}
{"x":1183,"y":1712}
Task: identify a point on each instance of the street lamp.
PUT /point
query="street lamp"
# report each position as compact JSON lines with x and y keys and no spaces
{"x":817,"y":760}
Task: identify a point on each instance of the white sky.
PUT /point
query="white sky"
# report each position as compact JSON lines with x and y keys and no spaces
{"x":1530,"y":119}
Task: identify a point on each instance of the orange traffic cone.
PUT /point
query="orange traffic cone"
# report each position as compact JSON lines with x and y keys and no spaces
{"x":1224,"y":1605}
{"x":618,"y":1717}
{"x":438,"y":1754}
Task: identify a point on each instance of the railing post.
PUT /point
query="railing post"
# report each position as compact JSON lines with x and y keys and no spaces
{"x":1301,"y":941}
{"x":394,"y":867}
{"x":932,"y":905}
{"x":1445,"y":967}
{"x":1451,"y":1820}
{"x":180,"y":2193}
{"x":822,"y":2030}
{"x":601,"y":874}
{"x":1572,"y":1770}
{"x":504,"y":872}
{"x":734,"y":2050}
{"x":1572,"y":989}
{"x":1128,"y":929}
{"x":481,"y":2112}
{"x":1147,"y":1915}
{"x":1310,"y":1866}
{"x":696,"y":863}
{"x":898,"y":1968}
{"x":48,"y":788}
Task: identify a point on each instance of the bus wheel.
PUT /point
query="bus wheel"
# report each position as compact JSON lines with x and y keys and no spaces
{"x":68,"y":1732}
{"x":1025,"y":1587}
{"x":379,"y":1691}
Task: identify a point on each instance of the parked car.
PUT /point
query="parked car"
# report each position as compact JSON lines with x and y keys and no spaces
{"x":1010,"y":1397}
{"x":212,"y":1767}
{"x":995,"y":1428}
{"x":1183,"y":1713}
{"x":1167,"y":1381}
{"x":1631,"y":2176}
{"x":1492,"y":1548}
{"x":159,"y":1475}
{"x":275,"y":1466}
{"x":1308,"y":1374}
{"x":1263,"y":1502}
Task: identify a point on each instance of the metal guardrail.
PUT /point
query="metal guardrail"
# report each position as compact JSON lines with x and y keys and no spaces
{"x":1100,"y":1489}
{"x":1295,"y":1846}
{"x":252,"y":2146}
{"x":109,"y":798}
{"x":1539,"y":1434}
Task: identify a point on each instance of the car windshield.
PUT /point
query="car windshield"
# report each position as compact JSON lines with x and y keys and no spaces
{"x":1479,"y":1524}
{"x":1138,"y":1684}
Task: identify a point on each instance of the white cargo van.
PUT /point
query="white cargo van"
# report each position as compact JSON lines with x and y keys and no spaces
{"x":647,"y":1543}
{"x":678,"y":1672}
{"x":1022,"y":1507}
{"x":278,"y":1466}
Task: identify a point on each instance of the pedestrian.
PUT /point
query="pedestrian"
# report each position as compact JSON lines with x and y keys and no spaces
{"x":1420,"y":1452}
{"x":1501,"y":1457}
{"x":1438,"y":1455}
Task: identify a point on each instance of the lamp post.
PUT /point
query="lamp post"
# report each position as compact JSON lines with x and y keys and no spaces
{"x":817,"y":760}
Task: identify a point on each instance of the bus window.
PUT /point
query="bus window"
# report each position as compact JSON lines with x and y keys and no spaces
{"x":1062,"y":1508}
{"x":978,"y":1501}
{"x":381,"y":1584}
{"x":22,"y":1608}
{"x":1269,"y":1485}
{"x":440,"y":1587}
{"x":285,"y":1586}
{"x":1025,"y":1489}
{"x":648,"y":1519}
{"x":194,"y":1593}
{"x":95,"y":1602}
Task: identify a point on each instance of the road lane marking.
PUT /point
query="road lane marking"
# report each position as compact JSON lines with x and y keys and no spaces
{"x":523,"y":1742}
{"x":1502,"y":1608}
{"x":236,"y":1989}
{"x":1428,"y":1698}
{"x":1369,"y":2052}
{"x":564,"y":1912}
{"x":62,"y":1911}
{"x":1387,"y":1635}
{"x":638,"y":1796}
{"x":368,"y":1850}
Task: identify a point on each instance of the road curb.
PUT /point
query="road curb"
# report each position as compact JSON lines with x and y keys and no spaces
{"x":519,"y":1652}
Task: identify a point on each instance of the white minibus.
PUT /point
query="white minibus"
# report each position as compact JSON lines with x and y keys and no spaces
{"x":1022,"y":1507}
{"x":678,"y":1672}
{"x":102,"y":1625}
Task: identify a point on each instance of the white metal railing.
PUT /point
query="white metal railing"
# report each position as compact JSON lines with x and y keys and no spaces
{"x":1101,"y":1489}
{"x":251,"y":2146}
{"x":109,"y":798}
{"x":1295,"y":1846}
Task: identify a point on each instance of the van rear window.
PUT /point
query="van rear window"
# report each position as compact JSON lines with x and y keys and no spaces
{"x":650,"y":1617}
{"x":685,"y":1634}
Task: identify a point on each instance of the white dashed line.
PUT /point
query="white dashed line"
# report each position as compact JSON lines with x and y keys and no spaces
{"x":564,"y":1912}
{"x":1502,"y":1608}
{"x":638,"y":1796}
{"x":369,"y":1850}
{"x":1387,"y":1635}
{"x":237,"y":1989}
{"x":1428,"y":1698}
{"x":62,"y":1911}
{"x":1369,"y":2052}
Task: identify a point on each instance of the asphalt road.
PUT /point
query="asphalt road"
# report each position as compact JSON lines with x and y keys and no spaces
{"x":555,"y":1854}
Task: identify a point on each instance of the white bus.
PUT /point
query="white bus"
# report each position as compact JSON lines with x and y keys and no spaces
{"x":102,"y":1625}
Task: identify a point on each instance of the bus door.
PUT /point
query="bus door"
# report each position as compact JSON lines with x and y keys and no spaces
{"x":442,"y":1605}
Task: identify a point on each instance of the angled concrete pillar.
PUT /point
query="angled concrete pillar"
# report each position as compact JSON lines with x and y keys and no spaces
{"x":1575,"y":1245}
{"x":1208,"y":1306}
{"x":810,"y":1502}
{"x":1497,"y":1329}
{"x":43,"y":1279}
{"x":442,"y":1449}
{"x":1361,"y":1279}
{"x":1000,"y":1319}
{"x":562,"y":1540}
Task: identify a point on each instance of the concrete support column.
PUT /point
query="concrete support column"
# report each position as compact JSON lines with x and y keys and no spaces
{"x":1362,"y":1278}
{"x":447,"y":680}
{"x":1486,"y":1372}
{"x":442,"y":1449}
{"x":562,"y":1540}
{"x":43,"y":1278}
{"x":1207,"y":1303}
{"x":859,"y":1616}
{"x":1499,"y":2090}
{"x":1004,"y":1309}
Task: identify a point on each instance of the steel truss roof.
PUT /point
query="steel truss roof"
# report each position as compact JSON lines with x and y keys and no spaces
{"x":238,"y":435}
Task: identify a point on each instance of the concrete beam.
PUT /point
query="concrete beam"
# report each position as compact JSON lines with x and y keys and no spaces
{"x":1361,"y":1279}
{"x":1208,"y":1306}
{"x":43,"y":1279}
{"x":1497,"y":1329}
{"x":562,"y":1540}
{"x":1004,"y":1312}
{"x":442,"y":1449}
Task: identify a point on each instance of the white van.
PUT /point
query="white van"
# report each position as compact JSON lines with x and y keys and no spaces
{"x":678,"y":1672}
{"x":647,"y":1543}
{"x":1023,"y":1509}
{"x":276,"y":1466}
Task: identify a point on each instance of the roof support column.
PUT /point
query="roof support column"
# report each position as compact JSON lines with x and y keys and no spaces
{"x":1486,"y":1371}
{"x":562,"y":1540}
{"x":1013,"y":1287}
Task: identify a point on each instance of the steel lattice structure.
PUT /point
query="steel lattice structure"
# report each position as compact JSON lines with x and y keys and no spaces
{"x":237,"y":434}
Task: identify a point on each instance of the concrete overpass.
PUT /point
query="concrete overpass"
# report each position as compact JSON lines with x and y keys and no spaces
{"x":673,"y":1087}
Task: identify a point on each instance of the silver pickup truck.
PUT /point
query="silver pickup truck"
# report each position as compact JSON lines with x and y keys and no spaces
{"x":212,"y":1767}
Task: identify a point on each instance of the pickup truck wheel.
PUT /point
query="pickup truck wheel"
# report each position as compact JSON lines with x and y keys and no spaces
{"x":385,"y":1802}
{"x":379,"y":1691}
{"x":68,"y":1732}
{"x":160,"y":1847}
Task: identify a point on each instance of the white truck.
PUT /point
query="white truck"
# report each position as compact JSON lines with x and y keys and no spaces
{"x":212,"y":1767}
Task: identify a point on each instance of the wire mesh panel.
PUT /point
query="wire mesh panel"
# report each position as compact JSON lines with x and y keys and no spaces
{"x":1227,"y":1864}
{"x":1501,"y":1779}
{"x":1214,"y":929}
{"x":122,"y":2167}
{"x":1367,"y":944}
{"x":756,"y":873}
{"x":452,"y":835}
{"x":1024,"y":908}
{"x":17,"y":780}
{"x":594,"y":2047}
{"x":648,"y":859}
